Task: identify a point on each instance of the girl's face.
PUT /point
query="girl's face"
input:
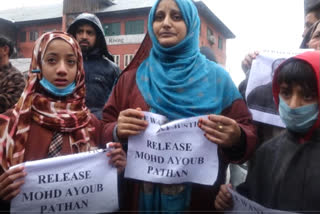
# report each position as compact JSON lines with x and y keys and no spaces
{"x":315,"y":39}
{"x":168,"y":24}
{"x":59,"y":63}
{"x":296,"y":96}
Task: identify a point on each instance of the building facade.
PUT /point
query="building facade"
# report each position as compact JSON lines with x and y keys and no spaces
{"x":124,"y":23}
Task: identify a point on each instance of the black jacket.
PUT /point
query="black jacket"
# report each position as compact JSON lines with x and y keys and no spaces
{"x":100,"y":76}
{"x":285,"y":174}
{"x":100,"y":71}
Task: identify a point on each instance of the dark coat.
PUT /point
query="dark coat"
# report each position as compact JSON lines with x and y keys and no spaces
{"x":261,"y":99}
{"x":100,"y":71}
{"x":100,"y":76}
{"x":285,"y":174}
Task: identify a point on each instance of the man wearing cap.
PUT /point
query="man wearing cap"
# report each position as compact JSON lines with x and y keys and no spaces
{"x":100,"y":71}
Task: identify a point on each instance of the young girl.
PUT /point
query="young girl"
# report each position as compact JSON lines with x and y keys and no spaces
{"x":285,"y":174}
{"x":50,"y":118}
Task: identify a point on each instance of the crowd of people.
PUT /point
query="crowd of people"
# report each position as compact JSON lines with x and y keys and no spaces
{"x":75,"y":99}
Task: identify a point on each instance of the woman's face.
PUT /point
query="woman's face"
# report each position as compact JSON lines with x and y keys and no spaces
{"x":315,"y":39}
{"x":59,"y":63}
{"x":168,"y":24}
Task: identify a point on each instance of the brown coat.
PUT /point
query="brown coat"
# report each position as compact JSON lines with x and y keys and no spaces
{"x":127,"y":95}
{"x":39,"y":140}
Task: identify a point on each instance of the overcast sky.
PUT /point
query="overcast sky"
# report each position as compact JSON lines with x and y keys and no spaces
{"x":257,"y":24}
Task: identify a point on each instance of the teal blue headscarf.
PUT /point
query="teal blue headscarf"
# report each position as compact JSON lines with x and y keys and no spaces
{"x":179,"y":81}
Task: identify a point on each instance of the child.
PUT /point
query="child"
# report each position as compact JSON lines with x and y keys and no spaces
{"x":50,"y":118}
{"x":285,"y":174}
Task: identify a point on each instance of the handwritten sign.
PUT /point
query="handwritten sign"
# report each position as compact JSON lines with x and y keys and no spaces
{"x":173,"y":152}
{"x":244,"y":205}
{"x":81,"y":183}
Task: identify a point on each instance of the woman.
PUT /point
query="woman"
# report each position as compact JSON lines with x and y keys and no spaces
{"x":50,"y":118}
{"x":175,"y":80}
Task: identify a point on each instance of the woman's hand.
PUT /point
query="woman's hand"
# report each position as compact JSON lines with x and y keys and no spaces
{"x":130,"y":122}
{"x":221,"y":130}
{"x":117,"y":156}
{"x":223,"y":199}
{"x":8,"y":187}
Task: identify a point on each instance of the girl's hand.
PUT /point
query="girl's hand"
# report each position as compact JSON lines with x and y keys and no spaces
{"x":224,"y":199}
{"x":117,"y":156}
{"x":9,"y":187}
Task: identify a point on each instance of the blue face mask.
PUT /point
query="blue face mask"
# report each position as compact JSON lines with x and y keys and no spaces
{"x":59,"y":92}
{"x":299,"y":119}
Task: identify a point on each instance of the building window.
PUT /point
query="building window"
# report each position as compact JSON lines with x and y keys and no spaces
{"x":49,"y":30}
{"x":112,"y":29}
{"x":135,"y":27}
{"x":23,"y":36}
{"x":117,"y":59}
{"x":210,"y":36}
{"x":127,"y":59}
{"x":220,"y":43}
{"x":33,"y":35}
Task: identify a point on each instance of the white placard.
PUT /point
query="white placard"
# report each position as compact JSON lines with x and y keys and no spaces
{"x":78,"y":183}
{"x":243,"y":205}
{"x":173,"y":152}
{"x":259,"y":88}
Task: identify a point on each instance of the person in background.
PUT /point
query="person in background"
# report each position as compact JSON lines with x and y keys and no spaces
{"x":101,"y":72}
{"x":285,"y":173}
{"x":313,"y":37}
{"x":169,"y":76}
{"x":51,"y":118}
{"x":312,"y":16}
{"x":208,"y":52}
{"x":12,"y":81}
